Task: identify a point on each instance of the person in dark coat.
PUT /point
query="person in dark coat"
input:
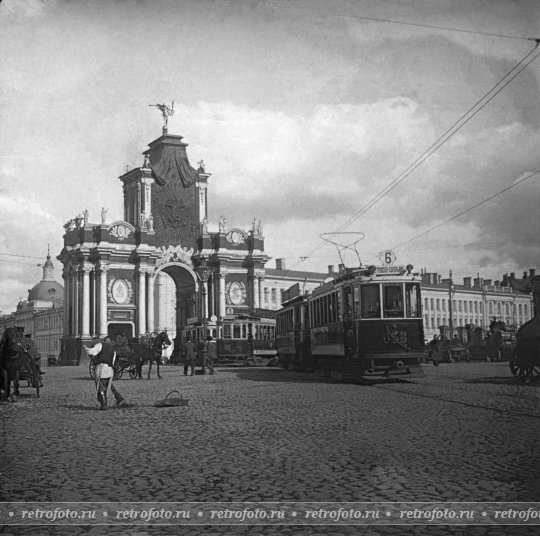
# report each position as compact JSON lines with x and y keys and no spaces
{"x":190,"y":356}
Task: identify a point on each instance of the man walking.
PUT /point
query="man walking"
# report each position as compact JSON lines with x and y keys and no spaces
{"x":104,"y":357}
{"x":190,"y":356}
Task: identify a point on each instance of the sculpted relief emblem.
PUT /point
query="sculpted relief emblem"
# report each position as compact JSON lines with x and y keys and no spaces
{"x":175,"y":254}
{"x":174,"y":213}
{"x":120,"y":231}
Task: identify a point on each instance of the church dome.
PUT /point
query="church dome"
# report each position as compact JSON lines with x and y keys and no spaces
{"x":47,"y":289}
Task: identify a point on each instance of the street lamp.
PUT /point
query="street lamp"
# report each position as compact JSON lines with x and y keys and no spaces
{"x":204,"y":275}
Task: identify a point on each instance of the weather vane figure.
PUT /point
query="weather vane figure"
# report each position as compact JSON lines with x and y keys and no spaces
{"x":166,"y":112}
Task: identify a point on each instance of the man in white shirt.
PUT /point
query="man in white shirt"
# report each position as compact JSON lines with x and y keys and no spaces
{"x":105,"y":356}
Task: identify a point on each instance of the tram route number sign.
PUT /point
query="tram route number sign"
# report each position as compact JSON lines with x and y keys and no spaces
{"x":387,"y":257}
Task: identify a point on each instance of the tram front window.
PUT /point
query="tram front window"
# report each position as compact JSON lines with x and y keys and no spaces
{"x":393,"y":301}
{"x":370,"y":301}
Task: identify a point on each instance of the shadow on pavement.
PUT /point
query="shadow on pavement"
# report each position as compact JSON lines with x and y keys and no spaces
{"x":277,"y":375}
{"x":508,"y":380}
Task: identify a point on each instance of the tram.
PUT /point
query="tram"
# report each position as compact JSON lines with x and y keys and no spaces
{"x":242,"y":340}
{"x":292,"y":331}
{"x":364,"y":324}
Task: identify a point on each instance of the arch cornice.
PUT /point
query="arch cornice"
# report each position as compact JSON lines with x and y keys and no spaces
{"x":162,"y":266}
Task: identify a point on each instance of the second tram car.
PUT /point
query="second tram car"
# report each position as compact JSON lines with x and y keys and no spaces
{"x":241,"y":339}
{"x":364,"y":324}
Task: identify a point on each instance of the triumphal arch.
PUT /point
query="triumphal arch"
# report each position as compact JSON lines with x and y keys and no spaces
{"x":112,"y":269}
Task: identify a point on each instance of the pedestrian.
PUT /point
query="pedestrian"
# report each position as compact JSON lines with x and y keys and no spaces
{"x":435,"y":350}
{"x":210,"y":355}
{"x":104,"y":355}
{"x":190,"y":356}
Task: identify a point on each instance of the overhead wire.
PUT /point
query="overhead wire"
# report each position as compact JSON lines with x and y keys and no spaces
{"x":400,"y":22}
{"x":456,"y":216}
{"x":447,"y":135}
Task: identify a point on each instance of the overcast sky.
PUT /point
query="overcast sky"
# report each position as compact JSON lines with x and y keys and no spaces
{"x":303,"y":111}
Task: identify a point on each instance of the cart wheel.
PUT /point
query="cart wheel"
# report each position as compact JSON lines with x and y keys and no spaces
{"x":514,"y":367}
{"x":132,"y":372}
{"x":525,"y":373}
{"x":92,"y":369}
{"x":118,"y":373}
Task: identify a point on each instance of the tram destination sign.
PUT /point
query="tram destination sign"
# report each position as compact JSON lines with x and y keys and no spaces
{"x":390,"y":269}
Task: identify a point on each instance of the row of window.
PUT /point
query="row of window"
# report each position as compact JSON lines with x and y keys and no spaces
{"x":472,"y":306}
{"x":434,"y":322}
{"x":387,"y":300}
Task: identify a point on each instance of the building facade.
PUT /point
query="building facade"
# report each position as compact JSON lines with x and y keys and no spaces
{"x":477,"y":301}
{"x":41,"y":314}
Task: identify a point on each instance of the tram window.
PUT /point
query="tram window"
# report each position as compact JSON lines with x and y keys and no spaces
{"x":348,"y":299}
{"x":227,"y":331}
{"x":393,"y":300}
{"x":412,"y":300}
{"x":370,"y":301}
{"x":356,"y":302}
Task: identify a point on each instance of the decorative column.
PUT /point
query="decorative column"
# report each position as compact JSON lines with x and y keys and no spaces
{"x":222,"y":274}
{"x":141,"y":301}
{"x":104,"y":268}
{"x":75,"y":301}
{"x":86,"y":269}
{"x":256,"y":290}
{"x":150,"y":310}
{"x":67,"y":304}
{"x":261,"y":290}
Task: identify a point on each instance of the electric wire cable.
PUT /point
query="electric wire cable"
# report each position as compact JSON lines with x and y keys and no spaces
{"x":447,"y":135}
{"x":463,"y":212}
{"x":404,"y":23}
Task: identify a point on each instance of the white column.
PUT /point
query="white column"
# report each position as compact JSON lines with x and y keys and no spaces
{"x":87,"y":268}
{"x":205,"y":299}
{"x":150,"y":310}
{"x":67,"y":305}
{"x":261,"y":291}
{"x":103,"y":300}
{"x":141,"y":302}
{"x":75,"y":297}
{"x":256,"y":290}
{"x":222,"y":274}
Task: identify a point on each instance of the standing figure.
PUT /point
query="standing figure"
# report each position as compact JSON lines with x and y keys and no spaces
{"x":105,"y":356}
{"x":209,"y":355}
{"x":190,"y":356}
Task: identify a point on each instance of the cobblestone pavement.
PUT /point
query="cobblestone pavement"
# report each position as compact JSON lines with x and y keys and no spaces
{"x":465,"y":432}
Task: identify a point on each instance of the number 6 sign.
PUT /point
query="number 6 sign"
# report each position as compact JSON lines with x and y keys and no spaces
{"x":387,"y":257}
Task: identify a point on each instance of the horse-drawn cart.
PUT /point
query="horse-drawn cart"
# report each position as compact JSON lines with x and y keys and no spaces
{"x":125,"y":361}
{"x":525,"y":354}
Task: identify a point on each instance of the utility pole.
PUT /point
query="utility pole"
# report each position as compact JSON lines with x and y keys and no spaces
{"x":451,"y":291}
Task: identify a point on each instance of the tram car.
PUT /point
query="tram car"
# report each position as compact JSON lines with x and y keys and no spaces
{"x":292,"y":331}
{"x":242,"y":340}
{"x":365,"y":324}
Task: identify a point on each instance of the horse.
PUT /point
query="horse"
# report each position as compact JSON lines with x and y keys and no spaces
{"x":151,"y":352}
{"x":11,"y":345}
